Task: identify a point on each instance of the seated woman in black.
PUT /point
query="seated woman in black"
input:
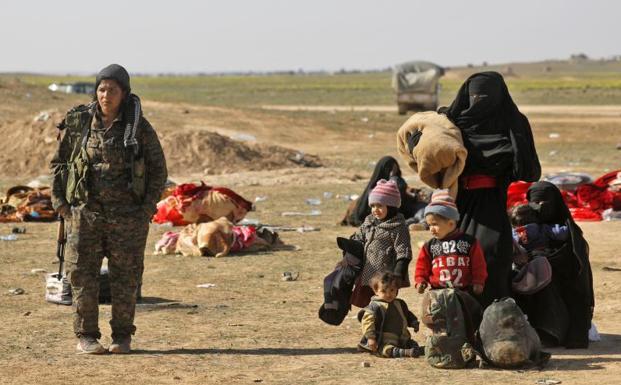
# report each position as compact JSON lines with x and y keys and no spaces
{"x":562,"y":312}
{"x":386,"y":168}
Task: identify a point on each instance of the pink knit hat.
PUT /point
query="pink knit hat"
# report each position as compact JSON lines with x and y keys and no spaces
{"x":442,"y":204}
{"x":385,"y":193}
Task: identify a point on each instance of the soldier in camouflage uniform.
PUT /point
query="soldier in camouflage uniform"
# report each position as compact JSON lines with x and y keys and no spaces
{"x":109,"y":205}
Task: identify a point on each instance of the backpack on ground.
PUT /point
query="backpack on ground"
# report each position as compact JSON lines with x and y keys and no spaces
{"x":450,"y":345}
{"x":507,"y":339}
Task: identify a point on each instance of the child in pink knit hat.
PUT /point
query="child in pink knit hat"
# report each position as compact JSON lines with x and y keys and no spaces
{"x":386,"y":241}
{"x":387,"y":250}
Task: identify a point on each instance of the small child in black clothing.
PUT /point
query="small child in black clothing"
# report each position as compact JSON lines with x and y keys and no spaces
{"x":386,"y":319}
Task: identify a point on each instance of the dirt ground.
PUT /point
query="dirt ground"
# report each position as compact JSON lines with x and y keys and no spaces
{"x":252,"y":327}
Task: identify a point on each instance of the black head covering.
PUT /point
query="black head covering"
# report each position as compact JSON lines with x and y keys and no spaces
{"x":117,"y":73}
{"x":549,"y":203}
{"x":498,"y":137}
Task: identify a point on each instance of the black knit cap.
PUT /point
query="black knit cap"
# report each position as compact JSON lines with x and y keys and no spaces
{"x":114,"y":72}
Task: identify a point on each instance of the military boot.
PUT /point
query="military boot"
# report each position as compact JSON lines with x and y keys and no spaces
{"x":120,"y":345}
{"x":89,"y":345}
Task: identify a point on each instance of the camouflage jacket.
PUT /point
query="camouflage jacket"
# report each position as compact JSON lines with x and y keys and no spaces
{"x":108,"y":177}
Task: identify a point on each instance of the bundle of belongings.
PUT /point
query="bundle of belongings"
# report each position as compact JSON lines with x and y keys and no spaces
{"x":587,"y":201}
{"x":217,"y":238}
{"x":27,"y":204}
{"x":433,"y":147}
{"x":339,"y":284}
{"x":196,"y":203}
{"x":501,"y":336}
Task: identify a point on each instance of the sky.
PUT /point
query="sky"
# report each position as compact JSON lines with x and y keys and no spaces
{"x":187,"y":36}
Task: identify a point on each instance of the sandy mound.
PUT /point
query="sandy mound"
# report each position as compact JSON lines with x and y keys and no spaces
{"x":31,"y":143}
{"x":212,"y":153}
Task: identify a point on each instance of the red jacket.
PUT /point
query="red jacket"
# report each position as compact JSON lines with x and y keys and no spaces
{"x":458,"y":259}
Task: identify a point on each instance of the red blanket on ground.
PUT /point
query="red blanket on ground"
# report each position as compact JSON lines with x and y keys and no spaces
{"x":586,"y":203}
{"x":171,"y":208}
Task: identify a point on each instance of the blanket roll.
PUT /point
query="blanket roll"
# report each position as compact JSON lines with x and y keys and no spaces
{"x":440,"y":155}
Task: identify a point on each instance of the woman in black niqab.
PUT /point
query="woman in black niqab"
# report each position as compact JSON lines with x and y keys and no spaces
{"x":386,"y":168}
{"x":500,"y":150}
{"x":572,"y":279}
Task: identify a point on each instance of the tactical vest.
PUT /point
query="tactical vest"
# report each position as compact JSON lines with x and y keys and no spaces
{"x":77,"y":124}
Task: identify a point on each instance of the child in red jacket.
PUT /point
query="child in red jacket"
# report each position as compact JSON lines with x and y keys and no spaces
{"x":451,"y":258}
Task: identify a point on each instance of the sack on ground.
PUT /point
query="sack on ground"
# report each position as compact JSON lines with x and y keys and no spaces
{"x":57,"y":291}
{"x":507,"y":338}
{"x":450,"y":345}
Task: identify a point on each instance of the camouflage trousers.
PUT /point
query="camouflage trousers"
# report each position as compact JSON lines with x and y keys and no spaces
{"x":91,"y":236}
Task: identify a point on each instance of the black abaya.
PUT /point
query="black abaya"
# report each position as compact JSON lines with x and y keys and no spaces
{"x":572,"y":280}
{"x":489,"y":120}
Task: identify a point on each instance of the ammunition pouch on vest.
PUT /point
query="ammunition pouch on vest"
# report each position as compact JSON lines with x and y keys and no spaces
{"x":77,"y":123}
{"x":137,"y":183}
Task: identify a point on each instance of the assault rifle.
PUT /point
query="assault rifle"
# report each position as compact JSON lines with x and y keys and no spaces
{"x":61,"y":241}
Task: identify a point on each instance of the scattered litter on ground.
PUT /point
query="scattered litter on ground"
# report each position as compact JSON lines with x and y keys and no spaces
{"x":37,"y":271}
{"x":26,"y":314}
{"x":548,"y":382}
{"x":244,"y":137}
{"x":249,"y":222}
{"x":10,"y":237}
{"x":568,"y":181}
{"x":313,"y":201}
{"x":43,"y":116}
{"x":594,"y":334}
{"x":554,"y":135}
{"x":348,"y":197}
{"x":261,"y":198}
{"x":611,"y":215}
{"x":327,"y":195}
{"x":301,"y":229}
{"x":235,"y":325}
{"x":312,"y":213}
{"x":206,"y":285}
{"x":16,"y":291}
{"x":290,"y":276}
{"x":365,"y":364}
{"x":164,"y":305}
{"x":257,"y":380}
{"x":608,"y":268}
{"x":372,"y":164}
{"x":18,"y":230}
{"x":371,"y":136}
{"x":553,"y":153}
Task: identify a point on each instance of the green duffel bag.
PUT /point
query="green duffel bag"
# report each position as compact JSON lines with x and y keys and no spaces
{"x":449,"y":346}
